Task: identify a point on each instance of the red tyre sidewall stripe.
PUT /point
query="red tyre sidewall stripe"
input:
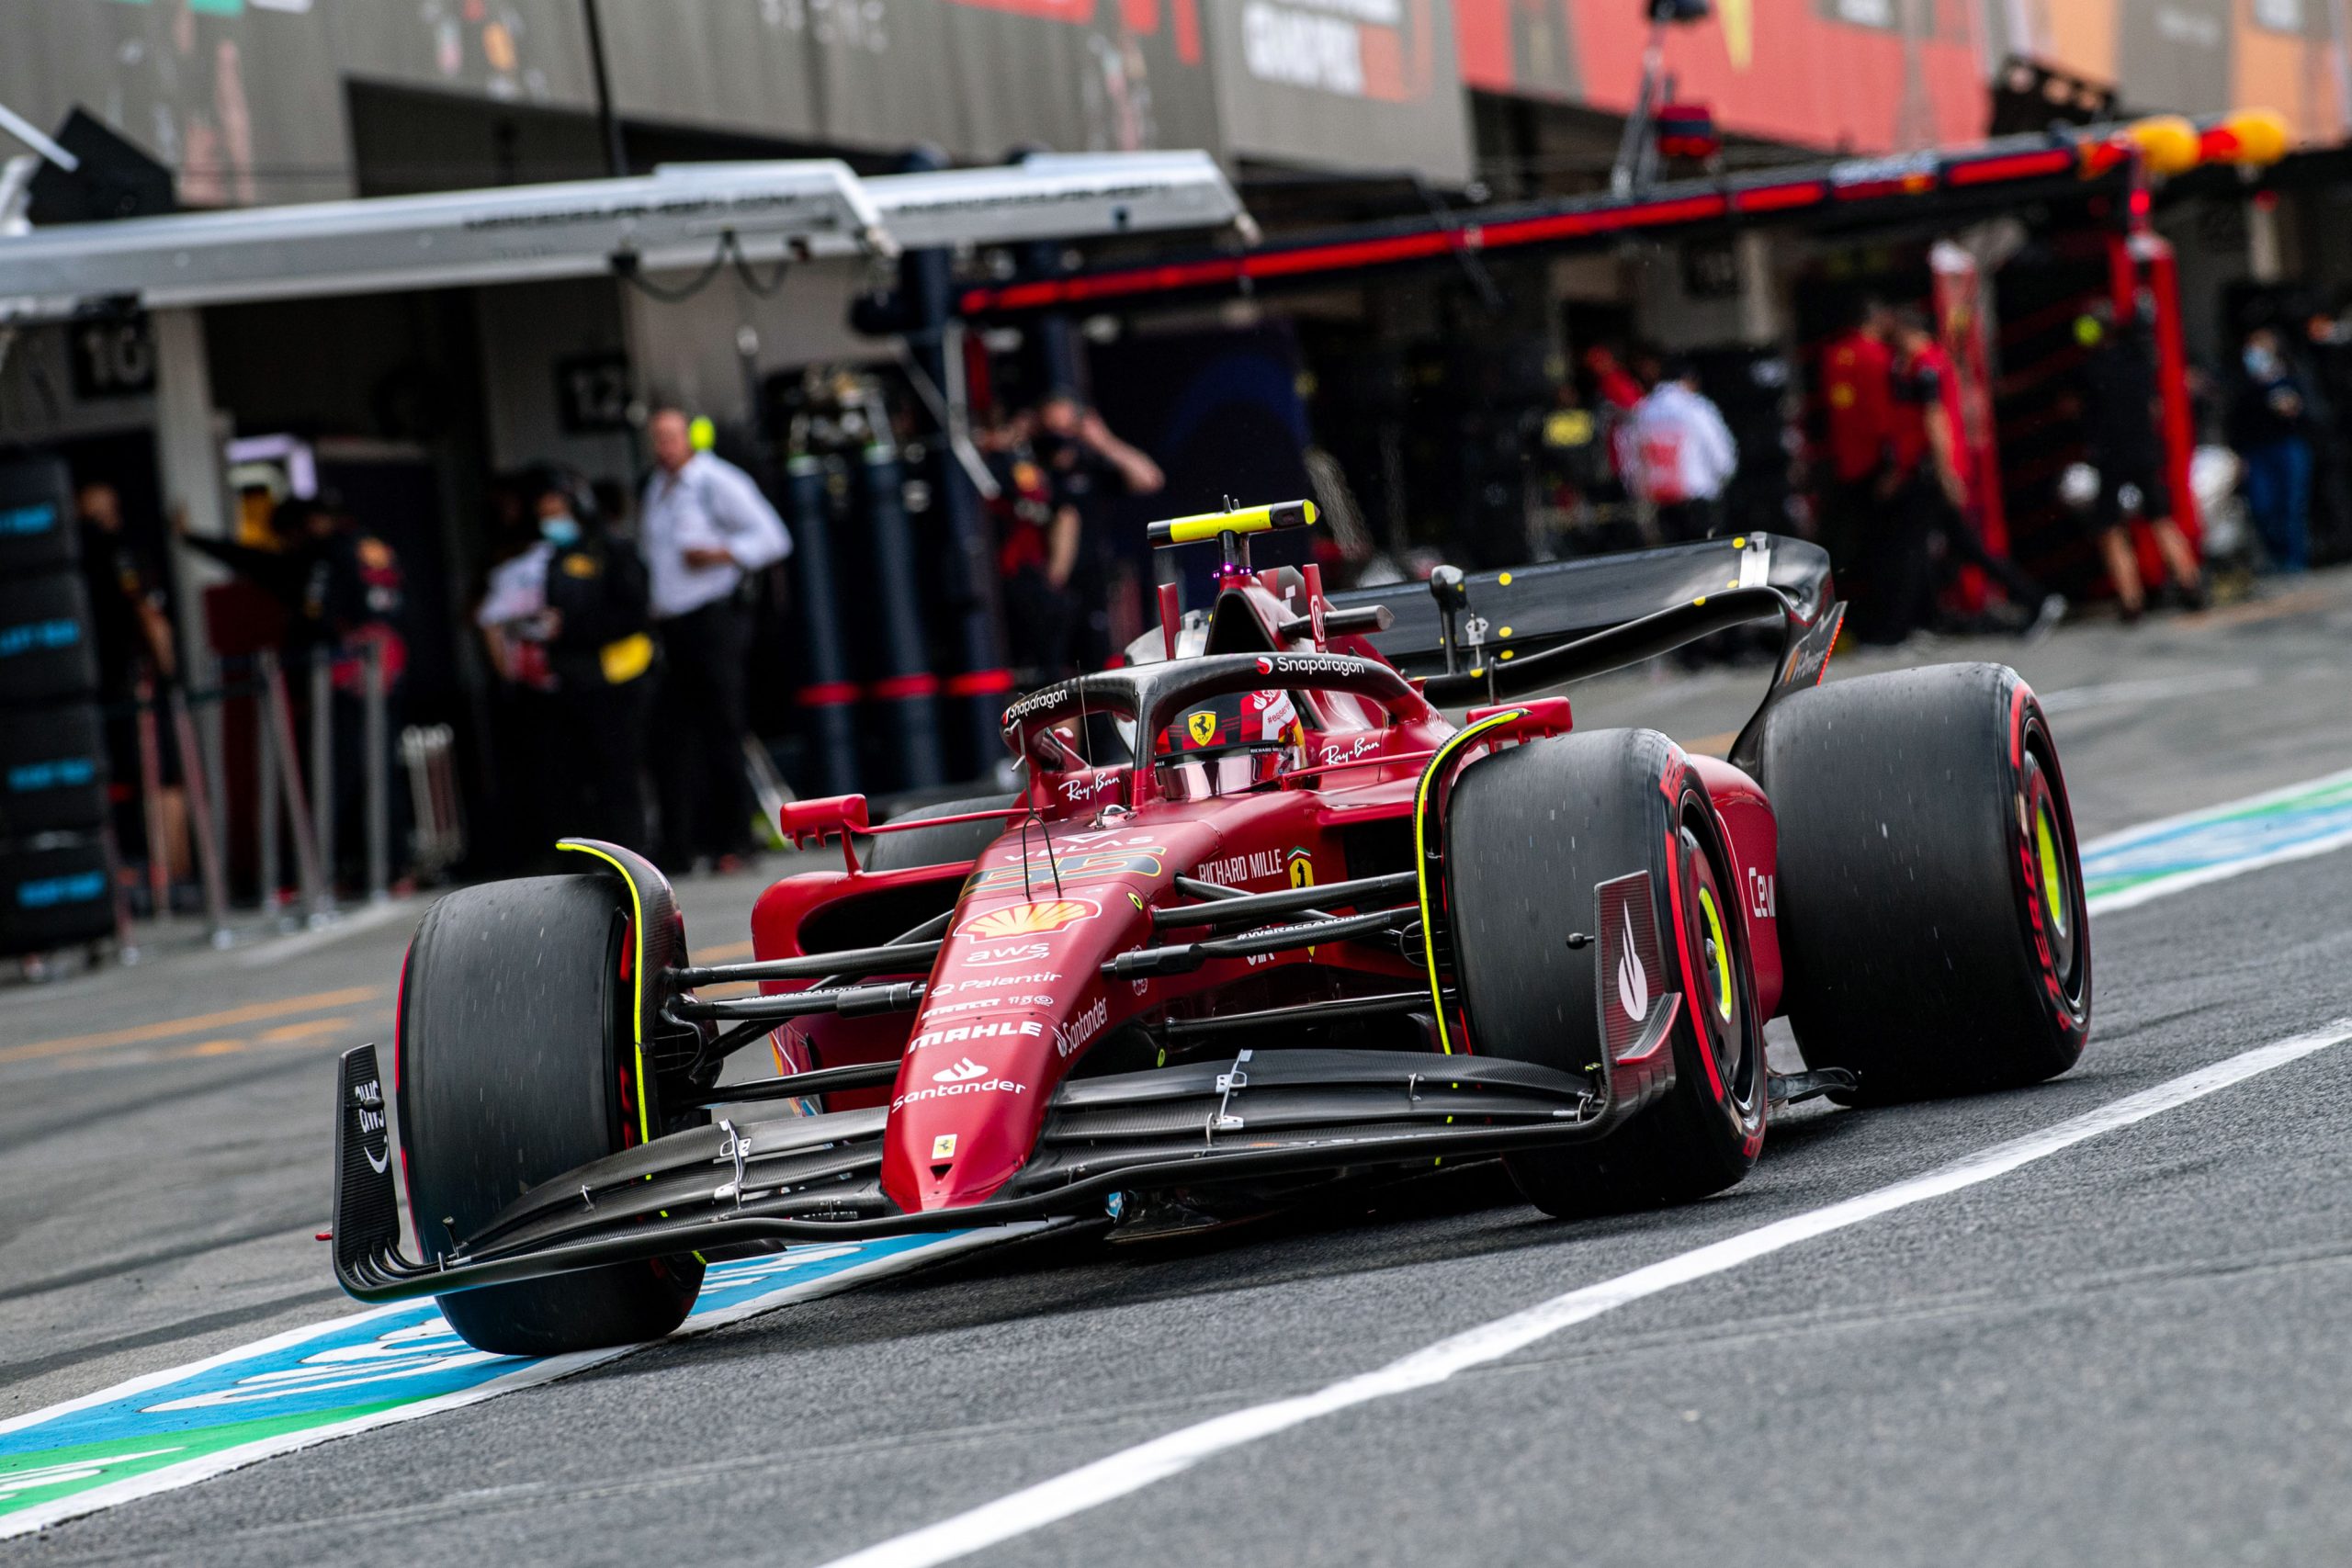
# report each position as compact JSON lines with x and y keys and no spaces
{"x":2053,"y":984}
{"x":1677,"y":775}
{"x":399,"y":1047}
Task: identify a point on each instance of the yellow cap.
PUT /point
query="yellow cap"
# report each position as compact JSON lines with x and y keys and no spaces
{"x":2168,"y":144}
{"x":2252,"y":136}
{"x":1243,"y":519}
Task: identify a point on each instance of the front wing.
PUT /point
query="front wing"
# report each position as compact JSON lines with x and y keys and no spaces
{"x":798,"y":1179}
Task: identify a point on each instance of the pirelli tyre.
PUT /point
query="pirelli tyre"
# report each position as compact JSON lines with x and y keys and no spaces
{"x":951,"y":843}
{"x":514,"y":1063}
{"x":46,"y":651}
{"x":37,"y":532}
{"x":1933,"y":931}
{"x":52,"y":769}
{"x":1530,"y":834}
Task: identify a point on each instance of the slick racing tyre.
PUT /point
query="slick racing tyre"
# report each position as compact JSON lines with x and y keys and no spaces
{"x":1933,"y":929}
{"x":513,"y":1063}
{"x":1530,"y":832}
{"x":950,"y":845}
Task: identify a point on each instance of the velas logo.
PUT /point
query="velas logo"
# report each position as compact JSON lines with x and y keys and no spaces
{"x":962,"y":1072}
{"x":1031,"y":919}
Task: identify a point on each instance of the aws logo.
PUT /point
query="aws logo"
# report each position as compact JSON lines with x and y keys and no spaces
{"x":1031,"y":919}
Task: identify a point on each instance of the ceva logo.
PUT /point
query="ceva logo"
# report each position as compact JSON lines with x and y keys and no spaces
{"x":963,"y":1071}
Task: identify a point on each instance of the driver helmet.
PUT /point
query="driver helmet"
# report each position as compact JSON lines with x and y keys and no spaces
{"x":1230,"y":744}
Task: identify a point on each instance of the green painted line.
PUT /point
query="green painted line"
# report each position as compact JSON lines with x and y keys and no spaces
{"x":2201,"y":847}
{"x":187,"y":1424}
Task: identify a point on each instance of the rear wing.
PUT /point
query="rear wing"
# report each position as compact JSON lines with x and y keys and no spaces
{"x":1483,"y":636}
{"x":1490,"y":637}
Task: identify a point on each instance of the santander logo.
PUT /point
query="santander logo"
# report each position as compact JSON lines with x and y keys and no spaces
{"x":962,"y":1072}
{"x":1632,"y":984}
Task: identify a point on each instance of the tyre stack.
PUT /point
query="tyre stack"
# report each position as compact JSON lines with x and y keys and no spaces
{"x":55,"y":872}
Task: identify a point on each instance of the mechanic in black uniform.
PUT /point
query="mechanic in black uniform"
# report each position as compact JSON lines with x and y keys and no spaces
{"x":1083,"y":461}
{"x":132,"y":633}
{"x":599,"y":627}
{"x":2117,"y":388}
{"x":344,"y":594}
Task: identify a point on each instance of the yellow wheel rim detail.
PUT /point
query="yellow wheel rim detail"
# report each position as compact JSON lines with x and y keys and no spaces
{"x":2053,"y":889}
{"x":1723,"y":953}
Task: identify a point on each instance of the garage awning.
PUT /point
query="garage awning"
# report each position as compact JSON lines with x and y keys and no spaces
{"x":677,"y":216}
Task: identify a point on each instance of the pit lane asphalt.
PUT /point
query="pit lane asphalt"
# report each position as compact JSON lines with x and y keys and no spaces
{"x":2129,"y":1351}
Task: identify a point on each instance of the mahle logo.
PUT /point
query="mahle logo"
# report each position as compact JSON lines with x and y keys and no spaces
{"x":1031,"y":919}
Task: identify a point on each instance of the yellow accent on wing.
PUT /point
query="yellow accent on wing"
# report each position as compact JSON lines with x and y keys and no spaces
{"x":1245,"y":520}
{"x":637,"y":972}
{"x":625,"y":659}
{"x":1421,"y":855}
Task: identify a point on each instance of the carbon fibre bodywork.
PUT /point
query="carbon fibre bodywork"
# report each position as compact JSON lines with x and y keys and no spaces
{"x":1125,"y":992}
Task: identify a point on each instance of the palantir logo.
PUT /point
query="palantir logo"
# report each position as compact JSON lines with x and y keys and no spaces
{"x":962,"y":1072}
{"x":1632,"y":984}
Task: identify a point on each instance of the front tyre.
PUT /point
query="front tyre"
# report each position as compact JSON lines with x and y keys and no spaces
{"x":515,"y":1063}
{"x":1934,"y":932}
{"x":1530,"y":832}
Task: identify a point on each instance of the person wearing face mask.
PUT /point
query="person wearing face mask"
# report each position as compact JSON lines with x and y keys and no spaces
{"x":2268,"y":424}
{"x":513,"y":624}
{"x":598,"y":627}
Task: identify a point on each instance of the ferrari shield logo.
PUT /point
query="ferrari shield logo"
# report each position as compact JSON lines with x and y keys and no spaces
{"x":1201,"y":729}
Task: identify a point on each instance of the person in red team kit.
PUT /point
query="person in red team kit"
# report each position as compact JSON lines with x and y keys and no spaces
{"x":1925,"y":490}
{"x":1857,"y":374}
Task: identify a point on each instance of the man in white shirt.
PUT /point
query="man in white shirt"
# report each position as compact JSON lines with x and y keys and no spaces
{"x":1683,"y":456}
{"x":703,"y":528}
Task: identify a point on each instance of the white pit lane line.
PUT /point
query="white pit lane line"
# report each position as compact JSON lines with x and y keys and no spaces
{"x":1132,"y":1470}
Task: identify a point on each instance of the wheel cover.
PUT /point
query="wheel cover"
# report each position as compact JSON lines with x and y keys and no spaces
{"x":1719,"y":1010}
{"x":2053,"y":878}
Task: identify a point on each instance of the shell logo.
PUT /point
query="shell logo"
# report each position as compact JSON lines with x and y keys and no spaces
{"x":1031,"y":919}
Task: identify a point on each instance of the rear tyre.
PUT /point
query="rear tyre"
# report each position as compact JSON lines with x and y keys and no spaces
{"x":1933,"y":929}
{"x":949,"y":845}
{"x":1530,"y":831}
{"x":514,"y":1063}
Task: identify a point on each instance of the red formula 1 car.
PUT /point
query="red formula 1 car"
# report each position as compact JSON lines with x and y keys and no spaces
{"x":1262,"y":920}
